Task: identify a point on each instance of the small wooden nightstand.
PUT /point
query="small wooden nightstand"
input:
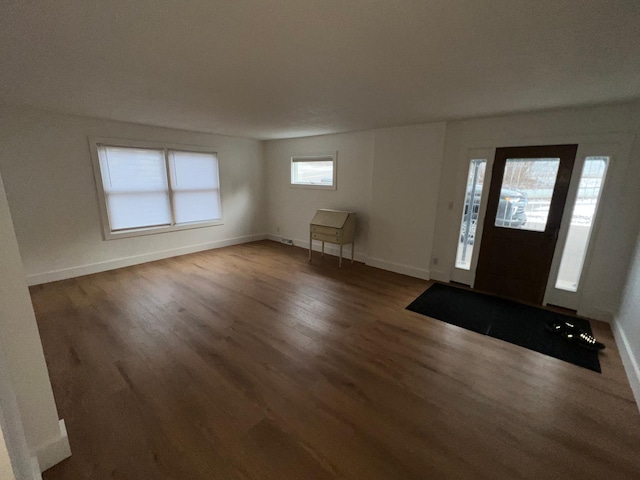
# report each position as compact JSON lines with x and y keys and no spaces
{"x":333,"y":226}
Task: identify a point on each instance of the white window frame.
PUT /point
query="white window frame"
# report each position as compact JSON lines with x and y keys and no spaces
{"x":96,"y":142}
{"x":311,"y":158}
{"x":467,"y":277}
{"x":568,"y":298}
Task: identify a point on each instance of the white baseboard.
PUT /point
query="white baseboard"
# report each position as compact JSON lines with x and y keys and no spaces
{"x":36,"y":474}
{"x":275,"y":238}
{"x":399,"y":268}
{"x":329,"y":248}
{"x":72,"y":272}
{"x":55,"y":450}
{"x":628,"y":360}
{"x":439,"y":276}
{"x":333,"y":249}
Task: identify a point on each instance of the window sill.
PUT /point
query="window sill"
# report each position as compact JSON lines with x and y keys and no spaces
{"x":137,"y":232}
{"x":313,"y":187}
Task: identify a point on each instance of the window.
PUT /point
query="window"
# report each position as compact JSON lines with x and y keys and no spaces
{"x":317,"y":171}
{"x":151,"y":189}
{"x":582,"y":219}
{"x":195,"y":186}
{"x":473,"y":196}
{"x":526,"y":193}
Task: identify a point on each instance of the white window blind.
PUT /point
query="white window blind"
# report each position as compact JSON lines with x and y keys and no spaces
{"x":195,"y":186}
{"x":149,"y":190}
{"x":135,"y":187}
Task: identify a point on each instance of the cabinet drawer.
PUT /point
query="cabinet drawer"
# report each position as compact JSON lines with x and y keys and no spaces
{"x":325,"y":230}
{"x":325,"y":237}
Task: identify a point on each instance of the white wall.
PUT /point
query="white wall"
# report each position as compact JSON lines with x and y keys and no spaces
{"x":20,"y":342}
{"x":16,"y":459}
{"x":46,"y":164}
{"x":291,"y":208}
{"x":627,"y":324}
{"x":6,"y":470}
{"x":389,"y":177}
{"x":615,"y":239}
{"x":406,"y":182}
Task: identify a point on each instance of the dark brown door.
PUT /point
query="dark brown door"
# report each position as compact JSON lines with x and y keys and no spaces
{"x":526,"y":200}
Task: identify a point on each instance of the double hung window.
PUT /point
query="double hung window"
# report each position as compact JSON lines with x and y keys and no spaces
{"x":149,"y":189}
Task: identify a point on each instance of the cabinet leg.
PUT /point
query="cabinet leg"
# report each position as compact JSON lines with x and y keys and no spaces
{"x":323,"y":249}
{"x":340,"y":261}
{"x":310,"y":245}
{"x":353,"y":247}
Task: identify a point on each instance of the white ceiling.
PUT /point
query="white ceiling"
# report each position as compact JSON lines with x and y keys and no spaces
{"x":284,"y":68}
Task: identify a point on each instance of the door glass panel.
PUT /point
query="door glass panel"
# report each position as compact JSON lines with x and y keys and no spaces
{"x":525,"y":194}
{"x":473,"y":195}
{"x":584,"y":211}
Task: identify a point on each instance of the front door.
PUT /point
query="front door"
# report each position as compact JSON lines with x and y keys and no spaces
{"x":524,"y":209}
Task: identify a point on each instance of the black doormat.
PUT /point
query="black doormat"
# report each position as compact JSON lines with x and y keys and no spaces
{"x":506,"y":320}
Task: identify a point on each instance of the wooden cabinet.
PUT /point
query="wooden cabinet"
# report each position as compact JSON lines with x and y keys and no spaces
{"x":333,"y":226}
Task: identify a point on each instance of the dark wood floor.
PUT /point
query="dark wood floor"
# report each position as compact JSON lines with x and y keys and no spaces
{"x":250,"y":363}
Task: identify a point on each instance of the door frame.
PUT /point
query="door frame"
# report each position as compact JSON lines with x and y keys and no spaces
{"x":504,"y":269}
{"x":620,"y":145}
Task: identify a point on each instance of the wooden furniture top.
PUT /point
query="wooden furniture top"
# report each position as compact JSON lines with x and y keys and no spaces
{"x":331,"y":218}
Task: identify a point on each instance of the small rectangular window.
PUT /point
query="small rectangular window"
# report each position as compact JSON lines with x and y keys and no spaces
{"x":314,"y":171}
{"x":151,"y":190}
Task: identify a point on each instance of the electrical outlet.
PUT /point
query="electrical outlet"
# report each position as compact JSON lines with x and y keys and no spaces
{"x":435,"y":260}
{"x":277,"y":229}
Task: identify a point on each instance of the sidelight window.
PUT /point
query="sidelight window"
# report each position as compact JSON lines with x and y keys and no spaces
{"x":473,"y":196}
{"x":582,"y":219}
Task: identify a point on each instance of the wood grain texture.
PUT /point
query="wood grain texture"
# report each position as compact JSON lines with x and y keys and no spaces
{"x":249,"y":362}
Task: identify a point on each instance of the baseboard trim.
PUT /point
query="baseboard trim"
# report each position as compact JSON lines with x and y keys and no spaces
{"x":399,"y":268}
{"x":35,"y":468}
{"x":329,"y":248}
{"x":55,"y":275}
{"x":440,"y":276}
{"x":628,"y":360}
{"x":333,"y":249}
{"x":55,"y":450}
{"x":275,"y":238}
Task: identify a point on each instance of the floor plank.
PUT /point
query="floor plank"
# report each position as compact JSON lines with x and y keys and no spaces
{"x":249,"y":362}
